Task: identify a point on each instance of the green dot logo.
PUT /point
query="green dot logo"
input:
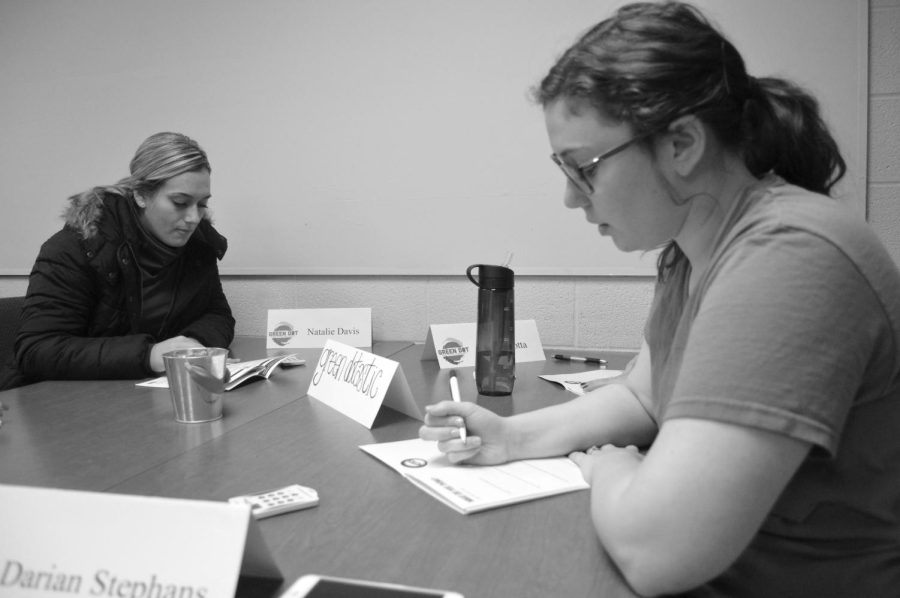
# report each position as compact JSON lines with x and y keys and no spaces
{"x":414,"y":463}
{"x":282,"y":334}
{"x":452,"y":351}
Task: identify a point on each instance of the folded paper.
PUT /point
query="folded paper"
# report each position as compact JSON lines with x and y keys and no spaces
{"x":239,"y":373}
{"x":574,"y":382}
{"x":76,"y":543}
{"x":311,"y":328}
{"x":453,"y":345}
{"x":357,"y":383}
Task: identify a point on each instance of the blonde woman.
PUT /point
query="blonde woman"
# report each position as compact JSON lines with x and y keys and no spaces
{"x":132,"y":274}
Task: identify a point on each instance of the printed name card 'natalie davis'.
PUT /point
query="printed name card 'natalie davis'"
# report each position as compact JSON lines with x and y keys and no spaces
{"x":453,"y":345}
{"x":311,"y":328}
{"x":357,"y":383}
{"x":74,"y":543}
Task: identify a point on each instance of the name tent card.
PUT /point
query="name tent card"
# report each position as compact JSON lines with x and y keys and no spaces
{"x":311,"y":328}
{"x":357,"y":383}
{"x":453,"y":345}
{"x":74,"y":543}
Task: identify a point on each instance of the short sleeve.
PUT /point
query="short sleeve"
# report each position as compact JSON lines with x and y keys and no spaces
{"x":781,"y":336}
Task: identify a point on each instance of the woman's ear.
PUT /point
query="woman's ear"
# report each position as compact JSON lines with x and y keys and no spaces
{"x":139,"y":200}
{"x":687,"y":144}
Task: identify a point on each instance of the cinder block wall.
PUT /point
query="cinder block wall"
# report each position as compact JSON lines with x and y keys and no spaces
{"x":884,"y":122}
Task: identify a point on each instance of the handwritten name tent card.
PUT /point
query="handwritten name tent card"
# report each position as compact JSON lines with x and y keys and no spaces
{"x":74,"y":543}
{"x":357,"y":383}
{"x":453,"y":345}
{"x":311,"y":328}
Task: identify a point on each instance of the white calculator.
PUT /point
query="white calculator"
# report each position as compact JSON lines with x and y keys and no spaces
{"x":281,"y":500}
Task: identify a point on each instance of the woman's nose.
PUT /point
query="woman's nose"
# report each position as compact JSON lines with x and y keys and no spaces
{"x":192,"y":214}
{"x":574,"y":197}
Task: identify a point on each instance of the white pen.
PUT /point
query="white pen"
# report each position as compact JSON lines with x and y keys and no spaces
{"x":454,"y":392}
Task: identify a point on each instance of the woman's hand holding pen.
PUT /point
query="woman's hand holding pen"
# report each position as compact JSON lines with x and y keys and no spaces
{"x":486,"y":442}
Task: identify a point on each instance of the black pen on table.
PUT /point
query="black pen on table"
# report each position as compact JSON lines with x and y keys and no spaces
{"x":579,"y":358}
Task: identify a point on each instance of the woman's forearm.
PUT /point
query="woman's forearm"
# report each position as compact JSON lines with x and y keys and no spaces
{"x":609,"y":415}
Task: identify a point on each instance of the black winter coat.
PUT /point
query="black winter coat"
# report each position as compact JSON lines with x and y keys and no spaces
{"x":83,"y":305}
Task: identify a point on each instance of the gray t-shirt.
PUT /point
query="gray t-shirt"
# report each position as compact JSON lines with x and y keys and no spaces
{"x":795,"y":329}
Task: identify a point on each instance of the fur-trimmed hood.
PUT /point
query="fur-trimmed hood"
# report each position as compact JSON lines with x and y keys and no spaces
{"x":88,"y":213}
{"x":84,"y":212}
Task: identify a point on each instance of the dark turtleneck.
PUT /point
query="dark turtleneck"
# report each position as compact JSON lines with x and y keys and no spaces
{"x":159,"y":265}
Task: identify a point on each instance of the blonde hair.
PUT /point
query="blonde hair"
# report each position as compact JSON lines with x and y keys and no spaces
{"x":159,"y":158}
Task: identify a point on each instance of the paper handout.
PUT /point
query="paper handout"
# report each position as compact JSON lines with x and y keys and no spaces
{"x":573,"y":381}
{"x":240,"y":372}
{"x":473,"y":488}
{"x":248,"y":370}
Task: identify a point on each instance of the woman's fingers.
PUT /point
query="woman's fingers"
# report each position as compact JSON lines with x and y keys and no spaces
{"x":445,"y":430}
{"x":447,"y":413}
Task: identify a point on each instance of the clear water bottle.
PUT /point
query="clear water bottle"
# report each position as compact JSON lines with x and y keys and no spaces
{"x":495,"y":347}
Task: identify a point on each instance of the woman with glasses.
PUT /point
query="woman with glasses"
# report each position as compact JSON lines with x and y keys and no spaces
{"x":765,"y":399}
{"x":132,"y":274}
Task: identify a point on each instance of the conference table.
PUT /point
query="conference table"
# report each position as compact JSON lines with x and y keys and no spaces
{"x":371,"y":523}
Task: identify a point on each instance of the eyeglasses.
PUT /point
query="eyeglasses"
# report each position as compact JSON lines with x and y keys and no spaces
{"x":579,"y":174}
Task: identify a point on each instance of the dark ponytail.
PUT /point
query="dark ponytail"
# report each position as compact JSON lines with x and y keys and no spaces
{"x":783,"y":132}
